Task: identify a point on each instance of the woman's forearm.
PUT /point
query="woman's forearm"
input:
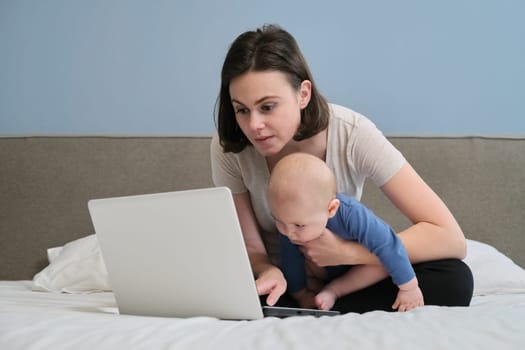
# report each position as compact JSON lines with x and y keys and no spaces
{"x":257,"y":254}
{"x":259,"y":263}
{"x":424,"y":241}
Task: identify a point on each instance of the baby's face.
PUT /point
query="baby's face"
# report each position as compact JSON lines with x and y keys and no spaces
{"x":300,"y":221}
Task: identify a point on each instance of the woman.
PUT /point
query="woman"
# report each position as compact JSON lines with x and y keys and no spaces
{"x":268,"y":107}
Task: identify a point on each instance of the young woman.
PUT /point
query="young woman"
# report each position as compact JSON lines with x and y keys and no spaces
{"x":268,"y":107}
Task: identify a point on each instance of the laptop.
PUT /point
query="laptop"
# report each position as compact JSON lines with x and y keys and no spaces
{"x":180,"y":254}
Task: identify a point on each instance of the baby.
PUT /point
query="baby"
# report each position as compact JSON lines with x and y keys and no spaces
{"x":304,"y":203}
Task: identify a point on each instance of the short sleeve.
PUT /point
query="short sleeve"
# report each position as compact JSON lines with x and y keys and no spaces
{"x":357,"y":150}
{"x":373,"y":154}
{"x":225,"y":168}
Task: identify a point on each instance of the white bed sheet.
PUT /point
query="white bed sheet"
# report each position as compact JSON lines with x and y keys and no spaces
{"x":53,"y":321}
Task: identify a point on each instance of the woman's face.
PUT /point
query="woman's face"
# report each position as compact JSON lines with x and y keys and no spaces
{"x":268,"y":109}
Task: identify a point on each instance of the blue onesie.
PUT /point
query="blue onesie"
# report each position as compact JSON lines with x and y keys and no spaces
{"x":353,"y":222}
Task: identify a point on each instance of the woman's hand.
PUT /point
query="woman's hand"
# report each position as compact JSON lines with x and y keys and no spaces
{"x":331,"y":250}
{"x":271,"y":281}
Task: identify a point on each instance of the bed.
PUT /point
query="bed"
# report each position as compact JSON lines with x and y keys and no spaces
{"x":55,"y":294}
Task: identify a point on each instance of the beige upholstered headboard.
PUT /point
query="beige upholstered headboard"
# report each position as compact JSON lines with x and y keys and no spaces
{"x":45,"y":183}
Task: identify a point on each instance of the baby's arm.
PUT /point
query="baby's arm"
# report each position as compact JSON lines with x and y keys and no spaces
{"x":409,"y":296}
{"x":381,"y":240}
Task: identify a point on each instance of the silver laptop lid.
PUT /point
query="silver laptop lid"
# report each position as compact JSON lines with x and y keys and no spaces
{"x":178,"y":254}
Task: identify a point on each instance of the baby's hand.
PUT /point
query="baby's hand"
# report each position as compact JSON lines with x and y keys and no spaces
{"x":325,"y":299}
{"x":409,"y":296}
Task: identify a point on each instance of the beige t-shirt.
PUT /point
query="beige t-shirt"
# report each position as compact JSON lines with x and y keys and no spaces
{"x":356,"y":150}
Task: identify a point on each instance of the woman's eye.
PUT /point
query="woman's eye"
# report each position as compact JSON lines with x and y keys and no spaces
{"x":267,"y":108}
{"x":241,"y":110}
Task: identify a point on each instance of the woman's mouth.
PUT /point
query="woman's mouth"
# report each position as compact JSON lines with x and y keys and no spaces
{"x":264,"y":143}
{"x":263,"y":139}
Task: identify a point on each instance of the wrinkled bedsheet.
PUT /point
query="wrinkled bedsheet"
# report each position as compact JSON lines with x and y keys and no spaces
{"x":53,"y":321}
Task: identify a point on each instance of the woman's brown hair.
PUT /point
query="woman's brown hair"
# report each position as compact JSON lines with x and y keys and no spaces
{"x":269,"y":48}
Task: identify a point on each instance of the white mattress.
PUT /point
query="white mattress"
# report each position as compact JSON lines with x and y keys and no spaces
{"x":42,"y":320}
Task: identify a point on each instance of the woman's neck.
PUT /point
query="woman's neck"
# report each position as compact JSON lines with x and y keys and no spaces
{"x":315,"y":145}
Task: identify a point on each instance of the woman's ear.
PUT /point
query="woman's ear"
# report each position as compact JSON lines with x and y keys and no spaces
{"x":305,"y":93}
{"x":332,"y":207}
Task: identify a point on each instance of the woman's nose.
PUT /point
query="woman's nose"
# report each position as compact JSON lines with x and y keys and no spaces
{"x":256,"y":121}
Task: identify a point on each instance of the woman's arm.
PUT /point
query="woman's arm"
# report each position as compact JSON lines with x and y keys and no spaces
{"x":269,"y":278}
{"x":435,"y":233}
{"x":252,"y":239}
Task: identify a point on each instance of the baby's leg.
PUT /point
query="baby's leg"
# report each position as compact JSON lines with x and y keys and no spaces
{"x":358,"y":277}
{"x":315,"y":276}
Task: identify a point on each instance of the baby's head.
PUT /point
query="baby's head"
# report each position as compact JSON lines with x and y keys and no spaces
{"x":302,"y":196}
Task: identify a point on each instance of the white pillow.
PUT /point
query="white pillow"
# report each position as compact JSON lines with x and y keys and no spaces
{"x":77,"y":267}
{"x":494,"y":273}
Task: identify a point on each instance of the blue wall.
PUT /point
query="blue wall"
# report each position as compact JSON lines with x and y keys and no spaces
{"x":449,"y":67}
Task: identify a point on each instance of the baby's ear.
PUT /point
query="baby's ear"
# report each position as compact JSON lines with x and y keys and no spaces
{"x":332,"y":207}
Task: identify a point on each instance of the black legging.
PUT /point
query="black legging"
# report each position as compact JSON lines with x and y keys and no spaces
{"x":446,"y":282}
